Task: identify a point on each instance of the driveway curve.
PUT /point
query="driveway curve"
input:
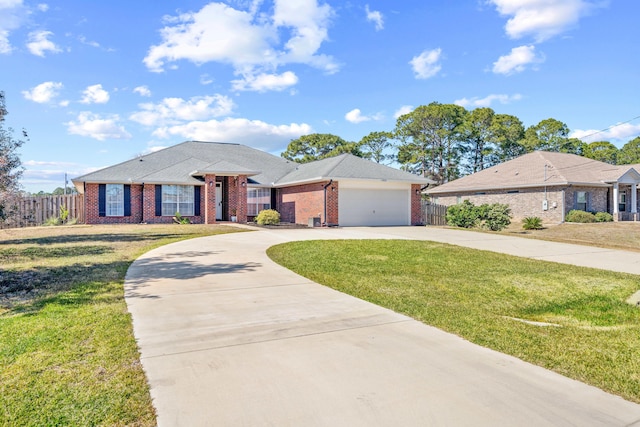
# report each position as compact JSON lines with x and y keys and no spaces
{"x":229,"y":338}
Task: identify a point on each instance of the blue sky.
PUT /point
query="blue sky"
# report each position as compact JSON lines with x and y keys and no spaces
{"x":97,"y":83}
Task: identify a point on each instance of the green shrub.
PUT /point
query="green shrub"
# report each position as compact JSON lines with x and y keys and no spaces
{"x":64,"y":214}
{"x":464,"y":215}
{"x":532,"y":223}
{"x":497,"y":216}
{"x":268,"y":217}
{"x":579,"y":216}
{"x":179,"y":219}
{"x":604,"y":217}
{"x":494,"y":217}
{"x":52,"y":220}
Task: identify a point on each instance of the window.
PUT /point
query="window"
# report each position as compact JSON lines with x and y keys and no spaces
{"x":177,"y":198}
{"x":114,"y":200}
{"x":458,"y":199}
{"x":581,"y":200}
{"x":622,"y":202}
{"x":258,"y":199}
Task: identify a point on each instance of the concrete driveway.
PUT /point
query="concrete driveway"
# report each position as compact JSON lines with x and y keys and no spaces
{"x":228,"y":338}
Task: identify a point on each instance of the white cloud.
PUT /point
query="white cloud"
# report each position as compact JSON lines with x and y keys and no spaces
{"x":97,"y":127}
{"x":265,"y":82}
{"x":621,"y":132}
{"x":517,"y":60}
{"x":39,"y":43}
{"x":254,"y":133}
{"x":142,"y":91}
{"x":355,"y":116}
{"x":43,"y":93}
{"x":542,"y":19}
{"x":95,"y":95}
{"x":12,"y":16}
{"x":249,"y":40}
{"x":173,"y":111}
{"x":405,"y":109}
{"x":375,"y":17}
{"x":206,"y":79}
{"x":426,"y":64}
{"x":5,"y":46}
{"x":42,"y":7}
{"x":487,"y":100}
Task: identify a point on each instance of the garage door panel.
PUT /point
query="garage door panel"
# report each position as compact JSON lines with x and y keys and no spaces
{"x":373,"y":207}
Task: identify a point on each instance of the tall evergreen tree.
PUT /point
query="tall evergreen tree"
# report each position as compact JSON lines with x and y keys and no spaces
{"x":430,"y":141}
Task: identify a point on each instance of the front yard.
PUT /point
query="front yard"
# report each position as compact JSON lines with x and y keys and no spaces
{"x":568,"y":319}
{"x":67,"y":351}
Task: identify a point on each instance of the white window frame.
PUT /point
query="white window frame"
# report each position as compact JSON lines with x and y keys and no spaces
{"x":114,"y":200}
{"x":586,"y":200}
{"x":622,"y":202}
{"x":258,"y":199}
{"x":178,"y":199}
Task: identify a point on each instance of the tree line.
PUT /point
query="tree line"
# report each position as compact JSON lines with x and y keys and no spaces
{"x":446,"y":141}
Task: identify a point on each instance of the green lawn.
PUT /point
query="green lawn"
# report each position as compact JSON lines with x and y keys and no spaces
{"x":592,"y":334}
{"x":67,"y":351}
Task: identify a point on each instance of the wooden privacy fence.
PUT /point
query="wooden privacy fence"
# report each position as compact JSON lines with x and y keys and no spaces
{"x":36,"y":210}
{"x":434,"y":214}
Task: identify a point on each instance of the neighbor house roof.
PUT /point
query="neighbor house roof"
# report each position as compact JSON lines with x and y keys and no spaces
{"x":538,"y":169}
{"x":348,"y":166}
{"x":187,"y":162}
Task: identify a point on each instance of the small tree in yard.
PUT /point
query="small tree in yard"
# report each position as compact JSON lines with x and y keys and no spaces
{"x":10,"y":168}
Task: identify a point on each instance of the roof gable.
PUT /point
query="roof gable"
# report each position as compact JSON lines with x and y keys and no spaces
{"x":537,"y":169}
{"x":348,"y":166}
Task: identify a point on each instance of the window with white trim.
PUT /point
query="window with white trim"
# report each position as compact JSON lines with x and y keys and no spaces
{"x":177,"y":199}
{"x":581,"y":200}
{"x":258,"y":199}
{"x":622,"y":202}
{"x":114,"y":200}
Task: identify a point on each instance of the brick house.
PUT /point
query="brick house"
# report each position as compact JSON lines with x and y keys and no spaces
{"x":209,"y":182}
{"x":548,"y":185}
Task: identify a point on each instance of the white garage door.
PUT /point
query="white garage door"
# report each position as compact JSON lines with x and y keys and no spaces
{"x":367,"y":207}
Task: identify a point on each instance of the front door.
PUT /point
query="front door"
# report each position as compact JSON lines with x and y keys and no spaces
{"x":218,"y":201}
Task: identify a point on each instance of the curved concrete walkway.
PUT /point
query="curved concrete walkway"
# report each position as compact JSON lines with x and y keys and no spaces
{"x":229,"y":338}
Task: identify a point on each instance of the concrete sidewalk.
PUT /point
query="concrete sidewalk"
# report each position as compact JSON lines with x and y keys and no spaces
{"x":229,"y":338}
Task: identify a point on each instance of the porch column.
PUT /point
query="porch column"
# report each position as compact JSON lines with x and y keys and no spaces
{"x":615,"y":200}
{"x":634,"y":198}
{"x":210,"y":199}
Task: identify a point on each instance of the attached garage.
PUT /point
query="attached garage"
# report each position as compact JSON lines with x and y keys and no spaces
{"x":374,"y":203}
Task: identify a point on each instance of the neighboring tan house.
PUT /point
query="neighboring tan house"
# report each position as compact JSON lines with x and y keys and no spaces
{"x":209,"y":182}
{"x":548,"y":185}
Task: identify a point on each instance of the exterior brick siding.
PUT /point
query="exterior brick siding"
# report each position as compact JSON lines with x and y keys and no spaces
{"x":416,"y":205}
{"x":528,"y":202}
{"x":299,"y":203}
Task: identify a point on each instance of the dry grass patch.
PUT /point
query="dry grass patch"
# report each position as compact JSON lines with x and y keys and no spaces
{"x":614,"y":235}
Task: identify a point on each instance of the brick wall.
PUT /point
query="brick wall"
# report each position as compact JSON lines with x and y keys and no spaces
{"x":528,"y":202}
{"x":416,"y":205}
{"x":298,"y":203}
{"x":92,"y":209}
{"x":237,"y":198}
{"x":143,"y":207}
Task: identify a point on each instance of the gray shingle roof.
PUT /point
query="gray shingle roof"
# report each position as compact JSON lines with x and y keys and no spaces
{"x":529,"y":171}
{"x":182,"y":163}
{"x":348,"y":166}
{"x":176,"y":164}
